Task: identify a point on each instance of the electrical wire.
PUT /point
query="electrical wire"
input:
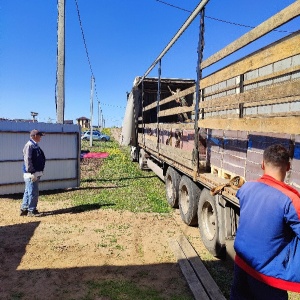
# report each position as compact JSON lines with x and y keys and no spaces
{"x":83,"y":37}
{"x":216,"y":19}
{"x":88,"y":58}
{"x":86,"y":51}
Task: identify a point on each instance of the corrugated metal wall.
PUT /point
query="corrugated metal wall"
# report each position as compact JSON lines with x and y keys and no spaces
{"x":61,"y":145}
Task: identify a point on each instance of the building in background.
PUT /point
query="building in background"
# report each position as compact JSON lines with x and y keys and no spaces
{"x":83,"y":122}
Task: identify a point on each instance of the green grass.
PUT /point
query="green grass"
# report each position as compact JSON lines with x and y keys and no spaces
{"x":124,"y":290}
{"x":119,"y":183}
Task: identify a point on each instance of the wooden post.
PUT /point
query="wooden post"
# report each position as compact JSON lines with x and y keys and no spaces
{"x":91,"y":108}
{"x":60,"y":75}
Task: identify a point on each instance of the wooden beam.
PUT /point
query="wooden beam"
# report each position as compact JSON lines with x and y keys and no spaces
{"x":170,"y":126}
{"x":274,"y":101}
{"x":183,"y":93}
{"x":177,"y":126}
{"x":193,"y":281}
{"x":176,"y":110}
{"x":206,"y":279}
{"x":286,"y":47}
{"x":268,"y":92}
{"x":289,"y":125}
{"x":286,"y":71}
{"x":287,"y":14}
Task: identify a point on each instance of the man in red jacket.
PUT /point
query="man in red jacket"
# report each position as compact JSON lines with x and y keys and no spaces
{"x":267,"y":242}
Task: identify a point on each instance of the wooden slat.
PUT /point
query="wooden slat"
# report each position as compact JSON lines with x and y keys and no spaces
{"x":183,"y":93}
{"x":177,"y":126}
{"x":222,"y":108}
{"x":287,"y":14}
{"x":275,"y":101}
{"x":228,"y":88}
{"x":270,"y":92}
{"x":150,"y":106}
{"x":188,"y":272}
{"x":289,"y":125}
{"x":286,"y":71}
{"x":287,"y":47}
{"x":259,"y":79}
{"x":176,"y":110}
{"x":170,"y":126}
{"x":206,"y":279}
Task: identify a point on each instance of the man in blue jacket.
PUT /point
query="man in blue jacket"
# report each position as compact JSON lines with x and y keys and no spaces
{"x":33,"y":167}
{"x":267,"y":243}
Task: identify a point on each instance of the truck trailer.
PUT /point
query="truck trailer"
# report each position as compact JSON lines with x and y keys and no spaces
{"x":204,"y":138}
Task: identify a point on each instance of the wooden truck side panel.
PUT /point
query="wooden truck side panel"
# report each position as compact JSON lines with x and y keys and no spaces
{"x":199,"y":136}
{"x":244,"y":108}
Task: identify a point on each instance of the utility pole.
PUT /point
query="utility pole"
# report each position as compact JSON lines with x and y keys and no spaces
{"x":101,"y":117}
{"x":60,"y":72}
{"x":91,"y":107}
{"x":98,"y":115}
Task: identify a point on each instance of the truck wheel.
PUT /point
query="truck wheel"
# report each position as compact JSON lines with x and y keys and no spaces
{"x":208,"y":224}
{"x":172,"y":180}
{"x":142,"y":160}
{"x":133,"y":154}
{"x":189,"y":194}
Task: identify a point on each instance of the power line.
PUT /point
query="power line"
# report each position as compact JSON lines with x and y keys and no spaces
{"x":216,"y":19}
{"x":111,"y":105}
{"x":85,"y":46}
{"x":169,"y":4}
{"x":86,"y":51}
{"x":89,"y":61}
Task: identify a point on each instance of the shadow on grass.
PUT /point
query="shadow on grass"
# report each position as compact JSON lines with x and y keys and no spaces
{"x":75,"y":209}
{"x":117,"y":179}
{"x":19,"y":196}
{"x":98,"y":187}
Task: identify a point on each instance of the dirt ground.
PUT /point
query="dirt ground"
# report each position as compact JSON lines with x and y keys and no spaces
{"x":55,"y":255}
{"x":66,"y":252}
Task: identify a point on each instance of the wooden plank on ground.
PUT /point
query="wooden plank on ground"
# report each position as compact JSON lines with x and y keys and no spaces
{"x":204,"y":276}
{"x":188,"y":272}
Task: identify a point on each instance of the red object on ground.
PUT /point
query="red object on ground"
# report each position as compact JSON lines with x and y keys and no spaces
{"x":95,"y":155}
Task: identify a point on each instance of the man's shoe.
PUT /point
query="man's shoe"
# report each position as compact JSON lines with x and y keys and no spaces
{"x":34,"y":213}
{"x":23,"y":212}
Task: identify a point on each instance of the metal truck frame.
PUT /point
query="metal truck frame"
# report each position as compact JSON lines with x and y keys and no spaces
{"x":204,"y":138}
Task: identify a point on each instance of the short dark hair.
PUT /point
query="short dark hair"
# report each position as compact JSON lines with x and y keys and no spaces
{"x":277,"y":155}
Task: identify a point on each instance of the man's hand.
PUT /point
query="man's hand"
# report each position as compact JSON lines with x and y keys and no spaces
{"x":33,"y":177}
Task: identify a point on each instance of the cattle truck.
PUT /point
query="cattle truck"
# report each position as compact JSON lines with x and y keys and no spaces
{"x":205,"y":137}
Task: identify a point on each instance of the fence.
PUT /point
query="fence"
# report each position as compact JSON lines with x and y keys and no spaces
{"x":61,"y":145}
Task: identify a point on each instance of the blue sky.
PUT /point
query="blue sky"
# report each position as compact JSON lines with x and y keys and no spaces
{"x":123,"y":38}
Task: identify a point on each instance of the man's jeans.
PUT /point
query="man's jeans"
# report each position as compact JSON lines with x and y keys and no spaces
{"x":31,"y":194}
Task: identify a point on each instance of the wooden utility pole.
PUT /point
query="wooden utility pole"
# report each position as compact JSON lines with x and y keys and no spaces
{"x":60,"y":72}
{"x":92,"y":108}
{"x":98,"y":115}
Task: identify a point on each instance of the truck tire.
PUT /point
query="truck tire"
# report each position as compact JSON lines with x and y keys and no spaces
{"x":133,"y":154}
{"x":189,"y":194}
{"x":172,"y":180}
{"x":143,"y":160}
{"x":208,"y":224}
